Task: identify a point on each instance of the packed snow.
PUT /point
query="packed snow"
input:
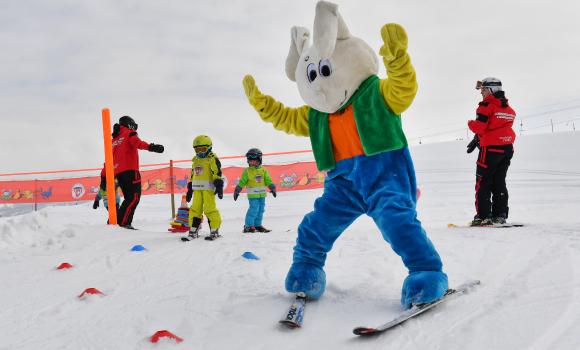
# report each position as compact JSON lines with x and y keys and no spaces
{"x":206,"y":293}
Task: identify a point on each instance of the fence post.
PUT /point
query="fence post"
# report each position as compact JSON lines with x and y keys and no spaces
{"x":171,"y":183}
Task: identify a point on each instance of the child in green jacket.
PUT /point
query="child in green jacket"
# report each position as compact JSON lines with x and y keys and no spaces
{"x":255,"y":178}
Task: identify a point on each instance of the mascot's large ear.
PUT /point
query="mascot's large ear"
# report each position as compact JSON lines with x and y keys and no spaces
{"x":299,"y":42}
{"x":328,"y":28}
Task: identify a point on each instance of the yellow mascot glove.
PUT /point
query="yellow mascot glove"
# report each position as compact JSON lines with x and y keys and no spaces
{"x":395,"y":42}
{"x":256,"y":98}
{"x":400,"y":88}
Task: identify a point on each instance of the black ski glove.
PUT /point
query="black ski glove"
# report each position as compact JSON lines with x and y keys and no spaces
{"x":474,"y":143}
{"x":272,"y":188}
{"x":219,"y":187}
{"x":156,"y":148}
{"x":189,"y":192}
{"x":237,"y":192}
{"x":96,"y":202}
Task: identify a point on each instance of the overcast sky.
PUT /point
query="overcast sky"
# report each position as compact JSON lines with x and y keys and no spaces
{"x":176,"y":67}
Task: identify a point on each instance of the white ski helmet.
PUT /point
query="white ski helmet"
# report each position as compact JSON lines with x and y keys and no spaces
{"x":491,"y":83}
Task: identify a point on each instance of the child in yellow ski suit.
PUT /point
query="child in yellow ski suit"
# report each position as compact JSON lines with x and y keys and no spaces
{"x":205,"y":182}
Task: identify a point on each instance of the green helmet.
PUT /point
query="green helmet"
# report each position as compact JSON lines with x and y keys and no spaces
{"x":201,"y":140}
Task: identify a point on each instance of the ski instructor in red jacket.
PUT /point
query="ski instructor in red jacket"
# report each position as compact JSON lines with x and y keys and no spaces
{"x":493,"y":127}
{"x":126,"y":159}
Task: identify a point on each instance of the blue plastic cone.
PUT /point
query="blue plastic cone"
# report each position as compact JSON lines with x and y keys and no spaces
{"x":250,"y":256}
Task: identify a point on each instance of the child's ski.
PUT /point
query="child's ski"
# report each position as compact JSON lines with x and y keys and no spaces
{"x":211,"y":238}
{"x":415,"y":311}
{"x":295,"y":315}
{"x":189,"y":237}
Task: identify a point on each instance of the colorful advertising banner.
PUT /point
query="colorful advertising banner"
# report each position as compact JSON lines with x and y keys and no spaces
{"x":289,"y":177}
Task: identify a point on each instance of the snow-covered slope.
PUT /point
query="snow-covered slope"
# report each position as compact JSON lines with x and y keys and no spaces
{"x":206,"y":293}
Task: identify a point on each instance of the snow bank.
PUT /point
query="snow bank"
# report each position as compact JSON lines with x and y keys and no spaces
{"x":213,"y":298}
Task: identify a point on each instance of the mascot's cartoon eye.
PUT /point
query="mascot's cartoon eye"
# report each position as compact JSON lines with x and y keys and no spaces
{"x":325,"y":68}
{"x":311,"y":72}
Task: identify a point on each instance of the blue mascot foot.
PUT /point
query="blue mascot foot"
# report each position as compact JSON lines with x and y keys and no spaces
{"x":306,"y":278}
{"x":423,"y":287}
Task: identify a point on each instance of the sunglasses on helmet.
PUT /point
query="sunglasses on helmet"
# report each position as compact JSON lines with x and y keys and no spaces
{"x":486,"y":84}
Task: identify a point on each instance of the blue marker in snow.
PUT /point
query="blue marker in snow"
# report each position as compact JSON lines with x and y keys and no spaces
{"x":250,"y":256}
{"x":138,"y":248}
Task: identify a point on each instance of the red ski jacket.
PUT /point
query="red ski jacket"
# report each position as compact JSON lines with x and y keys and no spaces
{"x":494,"y":121}
{"x":125,"y":146}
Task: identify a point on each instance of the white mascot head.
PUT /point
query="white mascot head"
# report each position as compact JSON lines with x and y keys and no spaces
{"x":329,"y":71}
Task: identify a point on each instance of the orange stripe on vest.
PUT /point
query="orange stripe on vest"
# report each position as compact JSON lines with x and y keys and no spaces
{"x":345,"y":138}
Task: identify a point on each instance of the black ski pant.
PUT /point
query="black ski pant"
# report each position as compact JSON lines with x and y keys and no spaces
{"x":130,"y":183}
{"x":491,"y":194}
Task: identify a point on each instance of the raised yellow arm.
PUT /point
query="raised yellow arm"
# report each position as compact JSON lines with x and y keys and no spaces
{"x":400,"y":86}
{"x":290,"y":120}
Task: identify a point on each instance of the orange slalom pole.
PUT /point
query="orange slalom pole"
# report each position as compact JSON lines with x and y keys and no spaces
{"x":109,"y":170}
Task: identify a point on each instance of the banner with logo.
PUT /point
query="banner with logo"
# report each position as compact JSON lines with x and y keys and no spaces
{"x":289,"y":177}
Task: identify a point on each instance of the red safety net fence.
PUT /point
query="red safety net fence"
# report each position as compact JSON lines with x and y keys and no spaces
{"x":287,"y":177}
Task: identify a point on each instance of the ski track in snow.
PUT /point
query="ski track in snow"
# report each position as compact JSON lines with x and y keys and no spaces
{"x":206,"y":293}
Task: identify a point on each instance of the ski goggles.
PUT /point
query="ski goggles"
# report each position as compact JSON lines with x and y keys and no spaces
{"x":200,"y":149}
{"x":481,"y":85}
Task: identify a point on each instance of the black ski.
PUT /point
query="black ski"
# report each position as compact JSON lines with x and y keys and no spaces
{"x":295,"y":315}
{"x":415,"y":311}
{"x":189,"y":238}
{"x":211,"y":238}
{"x":506,"y":225}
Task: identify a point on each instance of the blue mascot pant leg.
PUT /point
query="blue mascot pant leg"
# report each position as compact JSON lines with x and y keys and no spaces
{"x":252,"y":212}
{"x":338,"y":207}
{"x":389,"y":187}
{"x":382,"y":186}
{"x":390,"y":191}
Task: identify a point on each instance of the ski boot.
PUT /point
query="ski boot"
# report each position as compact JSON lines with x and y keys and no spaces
{"x":499,"y":220}
{"x":193,"y":234}
{"x":477,"y":221}
{"x":213,"y":235}
{"x":262,"y":229}
{"x":128,"y":227}
{"x":247,"y":229}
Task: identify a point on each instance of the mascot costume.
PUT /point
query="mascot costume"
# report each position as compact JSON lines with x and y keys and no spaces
{"x":353,"y":119}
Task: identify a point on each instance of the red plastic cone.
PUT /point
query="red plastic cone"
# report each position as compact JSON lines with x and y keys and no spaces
{"x":183,"y":202}
{"x":165,"y":334}
{"x":90,"y":291}
{"x":64,"y":265}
